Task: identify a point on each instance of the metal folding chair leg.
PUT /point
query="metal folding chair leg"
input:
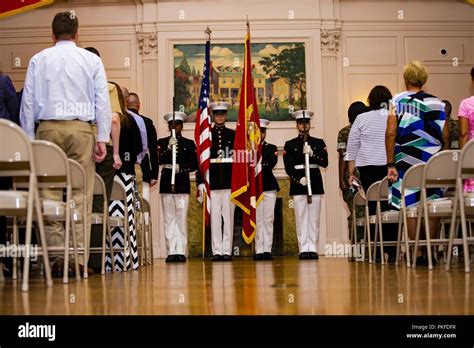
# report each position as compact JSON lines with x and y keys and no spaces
{"x":464,"y":234}
{"x":417,"y":237}
{"x":367,"y":224}
{"x":399,"y":237}
{"x":111,"y":246}
{"x":15,"y":242}
{"x":76,"y":254}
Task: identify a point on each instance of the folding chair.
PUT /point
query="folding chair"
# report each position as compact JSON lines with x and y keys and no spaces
{"x":140,"y":221}
{"x":371,"y":196}
{"x":465,"y":170}
{"x":17,"y":160}
{"x":148,"y":232}
{"x":79,"y":183}
{"x":386,"y":217}
{"x":53,"y":172}
{"x":439,"y":172}
{"x":413,"y":178}
{"x":357,"y":222}
{"x":102,"y":219}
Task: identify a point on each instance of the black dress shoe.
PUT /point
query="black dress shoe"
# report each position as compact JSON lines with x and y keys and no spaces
{"x":303,"y":256}
{"x":258,"y":257}
{"x":180,"y":258}
{"x":313,"y":255}
{"x":267,"y":256}
{"x":217,"y":257}
{"x":171,"y":258}
{"x":226,"y":258}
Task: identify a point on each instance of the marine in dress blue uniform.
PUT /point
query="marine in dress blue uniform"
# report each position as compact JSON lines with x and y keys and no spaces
{"x":175,"y":203}
{"x":306,"y":214}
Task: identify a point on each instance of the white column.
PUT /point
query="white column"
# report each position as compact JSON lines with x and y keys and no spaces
{"x":147,"y":45}
{"x":336,"y":212}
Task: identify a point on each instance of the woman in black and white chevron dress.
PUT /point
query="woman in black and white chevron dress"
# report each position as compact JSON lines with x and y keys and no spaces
{"x":130,"y":147}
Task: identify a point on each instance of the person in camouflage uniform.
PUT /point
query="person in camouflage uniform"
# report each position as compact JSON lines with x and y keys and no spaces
{"x":355,"y":109}
{"x":452,"y":126}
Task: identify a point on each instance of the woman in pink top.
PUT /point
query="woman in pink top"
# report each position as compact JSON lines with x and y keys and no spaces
{"x":466,"y":128}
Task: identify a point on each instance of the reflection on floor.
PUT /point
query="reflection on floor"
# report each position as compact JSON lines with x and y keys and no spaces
{"x":282,"y":286}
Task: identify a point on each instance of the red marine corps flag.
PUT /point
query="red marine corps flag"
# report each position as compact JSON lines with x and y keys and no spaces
{"x":13,"y":7}
{"x":247,"y":166}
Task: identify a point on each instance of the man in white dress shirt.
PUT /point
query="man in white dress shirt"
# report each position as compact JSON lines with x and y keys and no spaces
{"x":65,"y":91}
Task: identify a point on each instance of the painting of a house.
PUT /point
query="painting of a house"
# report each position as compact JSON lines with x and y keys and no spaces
{"x":278,"y":70}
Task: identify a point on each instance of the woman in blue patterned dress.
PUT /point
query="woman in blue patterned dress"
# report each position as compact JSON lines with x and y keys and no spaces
{"x":415,"y":132}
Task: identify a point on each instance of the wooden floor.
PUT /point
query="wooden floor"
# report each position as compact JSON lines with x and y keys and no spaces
{"x":283,"y":286}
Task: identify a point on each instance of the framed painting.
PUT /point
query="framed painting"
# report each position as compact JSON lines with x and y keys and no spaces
{"x":279,"y":74}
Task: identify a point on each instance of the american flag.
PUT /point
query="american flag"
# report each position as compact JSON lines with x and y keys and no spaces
{"x":202,"y":133}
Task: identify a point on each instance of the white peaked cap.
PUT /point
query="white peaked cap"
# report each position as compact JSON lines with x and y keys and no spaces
{"x":178,"y":116}
{"x":219,"y":106}
{"x":264,"y":123}
{"x":297,"y":115}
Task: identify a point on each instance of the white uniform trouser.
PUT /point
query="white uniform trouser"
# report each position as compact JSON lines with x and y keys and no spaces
{"x":175,"y":211}
{"x":265,"y":217}
{"x":307,"y":222}
{"x":222,"y":208}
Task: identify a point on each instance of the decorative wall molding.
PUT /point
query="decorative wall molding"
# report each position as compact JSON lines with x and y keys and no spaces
{"x":147,"y":43}
{"x":239,"y":25}
{"x":330,"y":42}
{"x":407,"y":25}
{"x":86,"y":30}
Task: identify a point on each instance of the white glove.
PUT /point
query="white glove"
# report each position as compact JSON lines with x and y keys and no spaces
{"x":173,"y":141}
{"x":176,"y":167}
{"x":202,"y":192}
{"x":307,"y":150}
{"x":304,"y":181}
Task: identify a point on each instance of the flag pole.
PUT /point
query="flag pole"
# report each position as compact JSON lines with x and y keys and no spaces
{"x":208,"y":32}
{"x":249,"y":124}
{"x":204,"y":201}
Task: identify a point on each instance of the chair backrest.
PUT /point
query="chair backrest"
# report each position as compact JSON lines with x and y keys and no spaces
{"x":372,"y":193}
{"x":441,"y":170}
{"x":15,"y":150}
{"x":357,"y":201}
{"x":466,"y":164}
{"x":413,"y":177}
{"x":52,"y":166}
{"x":78,"y":175}
{"x":99,"y":185}
{"x":118,"y":192}
{"x":383,"y":189}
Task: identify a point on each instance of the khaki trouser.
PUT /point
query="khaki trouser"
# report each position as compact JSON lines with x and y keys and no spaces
{"x":77,"y":141}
